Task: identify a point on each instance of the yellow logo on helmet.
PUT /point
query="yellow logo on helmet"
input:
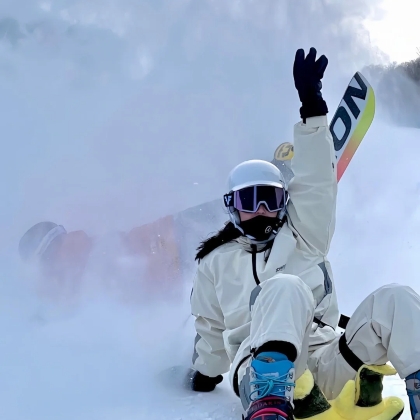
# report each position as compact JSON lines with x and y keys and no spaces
{"x":284,"y":152}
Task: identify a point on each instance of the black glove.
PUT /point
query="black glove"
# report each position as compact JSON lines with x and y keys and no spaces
{"x":308,"y":74}
{"x":202,"y":383}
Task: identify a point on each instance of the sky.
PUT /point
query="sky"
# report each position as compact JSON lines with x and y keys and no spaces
{"x":395,"y":30}
{"x":115,"y":113}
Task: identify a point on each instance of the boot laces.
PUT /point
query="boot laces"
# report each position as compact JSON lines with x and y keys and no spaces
{"x":266,"y":385}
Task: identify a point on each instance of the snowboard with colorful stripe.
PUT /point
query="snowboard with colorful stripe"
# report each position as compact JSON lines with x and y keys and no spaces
{"x":349,"y":125}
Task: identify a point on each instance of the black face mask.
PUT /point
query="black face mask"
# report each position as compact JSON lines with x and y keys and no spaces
{"x":261,"y":227}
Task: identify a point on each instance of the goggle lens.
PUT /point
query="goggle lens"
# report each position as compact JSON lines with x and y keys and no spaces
{"x":249,"y":199}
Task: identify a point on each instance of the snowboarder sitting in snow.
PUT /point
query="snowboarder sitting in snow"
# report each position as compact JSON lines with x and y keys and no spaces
{"x":264,"y":297}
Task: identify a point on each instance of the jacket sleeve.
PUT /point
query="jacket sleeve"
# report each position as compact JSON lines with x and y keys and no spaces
{"x":210,"y":357}
{"x":313,"y":190}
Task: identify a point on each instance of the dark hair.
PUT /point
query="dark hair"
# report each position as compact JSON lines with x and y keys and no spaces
{"x":223,"y":236}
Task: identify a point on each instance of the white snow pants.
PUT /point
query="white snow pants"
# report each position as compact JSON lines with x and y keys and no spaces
{"x":385,"y":327}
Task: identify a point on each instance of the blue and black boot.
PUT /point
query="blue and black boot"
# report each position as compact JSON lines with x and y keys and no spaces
{"x":272,"y":382}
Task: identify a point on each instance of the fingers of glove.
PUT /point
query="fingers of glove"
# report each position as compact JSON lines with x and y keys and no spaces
{"x":320,"y":66}
{"x":218,"y":379}
{"x":299,"y":57}
{"x":203,"y":383}
{"x":298,"y":64}
{"x":203,"y":387}
{"x":310,"y":59}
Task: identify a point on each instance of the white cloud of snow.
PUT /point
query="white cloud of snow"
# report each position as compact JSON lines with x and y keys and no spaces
{"x":115,"y":113}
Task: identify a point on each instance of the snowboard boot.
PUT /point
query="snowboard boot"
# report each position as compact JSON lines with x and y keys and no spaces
{"x":272,"y":381}
{"x":412,"y":383}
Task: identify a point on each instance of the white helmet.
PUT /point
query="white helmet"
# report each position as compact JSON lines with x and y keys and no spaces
{"x":253,"y":173}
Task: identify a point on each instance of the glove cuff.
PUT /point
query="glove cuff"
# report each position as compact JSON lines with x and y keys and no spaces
{"x":313,"y":109}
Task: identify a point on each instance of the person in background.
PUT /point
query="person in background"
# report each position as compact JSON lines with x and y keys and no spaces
{"x":136,"y":265}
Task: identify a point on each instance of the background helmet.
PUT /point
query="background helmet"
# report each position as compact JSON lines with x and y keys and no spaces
{"x":38,"y":238}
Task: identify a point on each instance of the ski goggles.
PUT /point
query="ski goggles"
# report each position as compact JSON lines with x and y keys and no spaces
{"x":249,"y":199}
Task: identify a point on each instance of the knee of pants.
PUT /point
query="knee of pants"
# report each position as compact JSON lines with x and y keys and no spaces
{"x":282,"y":283}
{"x":283,"y":286}
{"x":384,"y":306}
{"x":285,"y":280}
{"x":396,"y":291}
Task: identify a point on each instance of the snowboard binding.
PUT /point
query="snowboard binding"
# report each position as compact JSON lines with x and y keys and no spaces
{"x":359,"y":400}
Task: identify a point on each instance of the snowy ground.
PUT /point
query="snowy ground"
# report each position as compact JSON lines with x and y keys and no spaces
{"x":102,"y":360}
{"x":99,"y":360}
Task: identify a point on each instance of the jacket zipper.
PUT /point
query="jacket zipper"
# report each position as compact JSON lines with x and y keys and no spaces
{"x":254,"y":264}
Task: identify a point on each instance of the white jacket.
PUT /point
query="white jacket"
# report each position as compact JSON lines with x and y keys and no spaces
{"x":225,"y":280}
